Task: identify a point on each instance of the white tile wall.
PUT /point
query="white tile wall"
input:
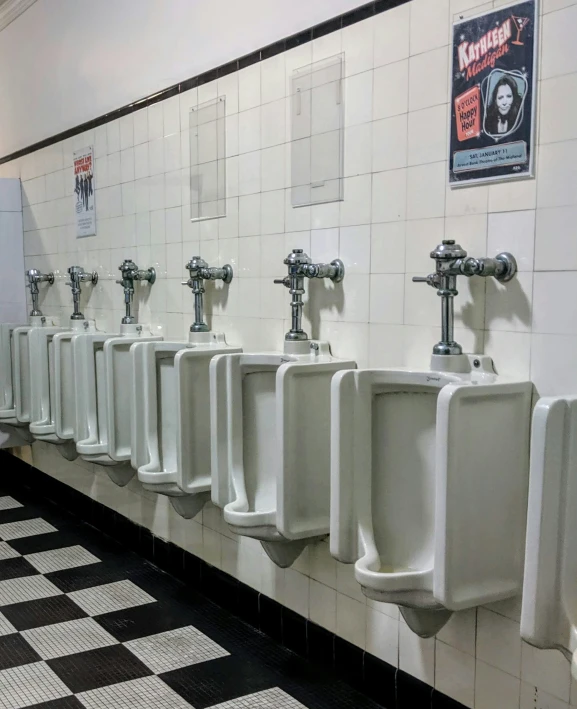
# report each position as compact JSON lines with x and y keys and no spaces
{"x":397,"y":207}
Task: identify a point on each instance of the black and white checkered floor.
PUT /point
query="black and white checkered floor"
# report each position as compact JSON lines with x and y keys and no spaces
{"x":85,"y":623}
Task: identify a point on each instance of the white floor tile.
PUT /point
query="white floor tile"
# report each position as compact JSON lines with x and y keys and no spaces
{"x":6,"y":627}
{"x":25,"y":528}
{"x":110,"y":597}
{"x":28,"y":588}
{"x":174,"y":649}
{"x":59,"y":559}
{"x":68,"y":638}
{"x":9,"y":503}
{"x":30,"y":684}
{"x":144,"y":693}
{"x":273,"y":698}
{"x":6,"y":551}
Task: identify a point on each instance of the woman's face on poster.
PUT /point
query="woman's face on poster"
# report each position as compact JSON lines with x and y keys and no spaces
{"x":504,"y":99}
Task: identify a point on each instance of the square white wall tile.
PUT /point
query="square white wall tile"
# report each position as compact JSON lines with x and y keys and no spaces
{"x":391,"y":90}
{"x":428,"y":79}
{"x":429,"y":28}
{"x":455,"y":674}
{"x":494,"y":688}
{"x":392,"y":35}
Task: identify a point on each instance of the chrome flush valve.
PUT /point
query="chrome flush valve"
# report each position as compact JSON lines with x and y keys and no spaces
{"x":130,"y":272}
{"x":77,"y":276}
{"x":300,"y":267}
{"x":200,"y":271}
{"x":35,"y":277}
{"x":452,"y":261}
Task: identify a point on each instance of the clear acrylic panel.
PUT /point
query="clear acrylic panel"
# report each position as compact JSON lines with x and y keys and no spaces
{"x":207,"y":160}
{"x":317,"y":121}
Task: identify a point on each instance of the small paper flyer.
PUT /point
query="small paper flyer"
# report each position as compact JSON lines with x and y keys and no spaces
{"x":84,"y":193}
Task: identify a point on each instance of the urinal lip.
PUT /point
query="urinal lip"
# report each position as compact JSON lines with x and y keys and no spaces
{"x":249,"y":519}
{"x":398,"y":581}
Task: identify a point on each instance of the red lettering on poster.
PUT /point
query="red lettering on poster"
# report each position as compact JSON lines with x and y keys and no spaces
{"x":468,"y":114}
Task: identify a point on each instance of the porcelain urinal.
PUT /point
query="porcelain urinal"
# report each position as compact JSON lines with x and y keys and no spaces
{"x":43,"y":369}
{"x":429,"y":486}
{"x":64,"y":381}
{"x":171,"y":414}
{"x":549,"y":610}
{"x":104,"y":378}
{"x":429,"y":471}
{"x":271,"y":432}
{"x":42,"y":387}
{"x":171,"y":418}
{"x":15,"y":410}
{"x":12,"y":431}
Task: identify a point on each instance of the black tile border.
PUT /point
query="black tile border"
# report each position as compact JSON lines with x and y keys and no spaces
{"x":332,"y":25}
{"x":391,"y":687}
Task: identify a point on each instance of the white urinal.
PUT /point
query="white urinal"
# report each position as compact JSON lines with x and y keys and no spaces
{"x":7,"y":385}
{"x":22,"y":370}
{"x":549,"y":611}
{"x":48,"y":388}
{"x":429,"y":474}
{"x":64,"y":382}
{"x":171,"y":417}
{"x":103,"y":372}
{"x":271,"y":443}
{"x":12,"y":431}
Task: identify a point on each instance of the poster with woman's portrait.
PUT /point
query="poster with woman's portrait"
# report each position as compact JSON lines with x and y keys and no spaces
{"x":493,"y":95}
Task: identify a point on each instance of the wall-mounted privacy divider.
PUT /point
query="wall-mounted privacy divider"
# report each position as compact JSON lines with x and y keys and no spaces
{"x":170,"y":409}
{"x":429,"y":471}
{"x":549,"y":611}
{"x":103,"y":391}
{"x":270,"y":431}
{"x":207,"y":160}
{"x":317,"y":129}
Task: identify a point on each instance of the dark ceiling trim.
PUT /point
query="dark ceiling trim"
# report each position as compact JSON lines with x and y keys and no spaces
{"x":336,"y":23}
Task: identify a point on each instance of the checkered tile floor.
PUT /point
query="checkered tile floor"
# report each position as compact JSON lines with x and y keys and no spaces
{"x":85,"y":623}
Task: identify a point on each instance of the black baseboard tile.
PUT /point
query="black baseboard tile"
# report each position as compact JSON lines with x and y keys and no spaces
{"x":412,"y":692}
{"x":320,"y":645}
{"x":294,"y":631}
{"x":357,"y":14}
{"x":349,"y":662}
{"x":380,"y":680}
{"x":270,"y":617}
{"x":441,"y":701}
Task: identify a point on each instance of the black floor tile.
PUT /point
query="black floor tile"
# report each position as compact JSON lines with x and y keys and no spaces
{"x":45,"y":611}
{"x":218,"y":681}
{"x":149,"y":619}
{"x":14,"y":650}
{"x":98,"y":668}
{"x":16,"y":514}
{"x":16,"y":567}
{"x":86,"y":576}
{"x":64,"y":703}
{"x":45,"y":542}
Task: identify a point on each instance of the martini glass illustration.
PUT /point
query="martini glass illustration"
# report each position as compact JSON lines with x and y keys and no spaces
{"x":520,"y":24}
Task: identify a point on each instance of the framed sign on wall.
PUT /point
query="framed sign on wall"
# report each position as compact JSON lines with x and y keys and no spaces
{"x":84,"y":188}
{"x":493,"y":95}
